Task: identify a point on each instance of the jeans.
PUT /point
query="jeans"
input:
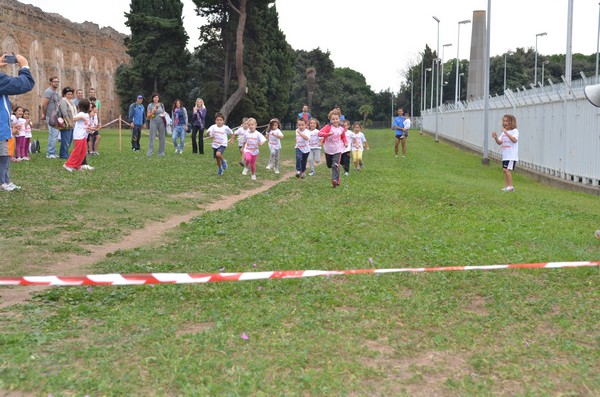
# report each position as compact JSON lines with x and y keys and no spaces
{"x":198,"y":147}
{"x":66,"y":138}
{"x":52,"y":139}
{"x":179,"y":132}
{"x":136,"y":135}
{"x":301,"y":159}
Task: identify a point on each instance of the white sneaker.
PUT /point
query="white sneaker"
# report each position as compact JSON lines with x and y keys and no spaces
{"x":277,"y":170}
{"x":253,"y":177}
{"x":312,"y":173}
{"x":87,"y":167}
{"x":269,"y":166}
{"x":245,"y":172}
{"x":50,"y":156}
{"x":6,"y":187}
{"x":68,"y":168}
{"x":13,"y":186}
{"x":346,"y":174}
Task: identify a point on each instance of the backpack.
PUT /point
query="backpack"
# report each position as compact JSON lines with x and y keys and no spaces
{"x":34,"y":146}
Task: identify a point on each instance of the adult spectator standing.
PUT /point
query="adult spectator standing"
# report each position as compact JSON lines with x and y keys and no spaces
{"x":137,"y":119}
{"x":50,"y":102}
{"x":198,"y":125}
{"x":67,"y":111}
{"x":10,"y":86}
{"x":304,"y":114}
{"x":398,"y":129}
{"x":78,"y":96}
{"x":156,"y":114}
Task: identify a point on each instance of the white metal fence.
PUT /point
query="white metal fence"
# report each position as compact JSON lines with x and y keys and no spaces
{"x":559,"y":130}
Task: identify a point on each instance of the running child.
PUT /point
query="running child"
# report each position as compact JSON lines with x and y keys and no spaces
{"x":347,"y":150}
{"x":302,"y":148}
{"x":333,"y":145}
{"x":275,"y":136}
{"x":240,"y":132}
{"x":219,"y":132}
{"x":252,"y":140}
{"x":509,"y":139}
{"x":357,"y":141}
{"x":314,"y":143}
{"x":80,"y":134}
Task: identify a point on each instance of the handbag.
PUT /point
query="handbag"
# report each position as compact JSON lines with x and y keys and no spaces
{"x":54,"y":115}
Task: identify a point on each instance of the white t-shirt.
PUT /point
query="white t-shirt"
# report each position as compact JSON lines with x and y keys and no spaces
{"x":510,"y":149}
{"x":21,"y":122}
{"x":241,"y":132}
{"x":407,"y":125}
{"x":275,"y":143}
{"x":219,"y":135}
{"x":28,"y":129}
{"x":253,"y":140}
{"x":81,"y":126}
{"x":357,"y":140}
{"x":314,"y":140}
{"x":301,"y":143}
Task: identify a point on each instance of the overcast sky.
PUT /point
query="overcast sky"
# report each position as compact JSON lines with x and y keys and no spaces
{"x":379,"y":38}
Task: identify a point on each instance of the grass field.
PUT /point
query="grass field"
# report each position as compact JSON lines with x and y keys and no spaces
{"x":510,"y":332}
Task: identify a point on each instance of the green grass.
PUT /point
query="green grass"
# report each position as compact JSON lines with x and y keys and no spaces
{"x":513,"y":332}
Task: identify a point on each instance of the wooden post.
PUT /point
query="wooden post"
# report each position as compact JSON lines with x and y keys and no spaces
{"x":120,"y":136}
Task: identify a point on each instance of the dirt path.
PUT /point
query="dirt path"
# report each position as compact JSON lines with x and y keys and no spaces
{"x":151,"y":233}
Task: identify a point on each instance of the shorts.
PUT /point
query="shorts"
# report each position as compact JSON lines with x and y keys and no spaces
{"x":509,"y":164}
{"x":92,"y":134}
{"x":220,"y":149}
{"x":401,"y":136}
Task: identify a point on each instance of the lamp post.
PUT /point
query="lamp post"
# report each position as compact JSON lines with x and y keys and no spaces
{"x":456,"y":94}
{"x":442,"y":66}
{"x":437,"y":76}
{"x":412,"y":86}
{"x":544,"y":64}
{"x":504,"y":72}
{"x":597,"y":44}
{"x":486,"y":85}
{"x":460,"y":76}
{"x":536,"y":56}
{"x":425,"y":102}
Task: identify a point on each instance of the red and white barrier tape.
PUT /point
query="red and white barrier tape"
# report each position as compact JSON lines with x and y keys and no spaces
{"x":193,"y":278}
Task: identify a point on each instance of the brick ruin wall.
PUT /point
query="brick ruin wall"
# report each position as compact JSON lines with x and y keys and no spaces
{"x":81,"y":54}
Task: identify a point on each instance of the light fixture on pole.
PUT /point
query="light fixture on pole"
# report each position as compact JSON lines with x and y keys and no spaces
{"x":442,"y":67}
{"x":460,"y":76}
{"x":597,"y":44}
{"x":456,"y":94}
{"x":544,"y":64}
{"x":536,"y":56}
{"x":437,"y":76}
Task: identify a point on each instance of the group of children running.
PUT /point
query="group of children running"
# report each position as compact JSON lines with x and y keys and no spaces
{"x":335,"y":139}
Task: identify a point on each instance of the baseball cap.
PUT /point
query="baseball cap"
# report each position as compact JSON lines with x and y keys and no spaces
{"x":140,"y":97}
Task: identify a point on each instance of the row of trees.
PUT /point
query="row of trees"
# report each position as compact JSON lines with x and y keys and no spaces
{"x":245,"y":67}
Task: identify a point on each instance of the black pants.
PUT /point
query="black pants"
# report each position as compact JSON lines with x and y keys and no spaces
{"x":197,"y":147}
{"x":346,"y":161}
{"x":136,"y":135}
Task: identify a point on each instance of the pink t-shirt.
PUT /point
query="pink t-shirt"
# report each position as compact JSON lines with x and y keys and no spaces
{"x":333,"y":143}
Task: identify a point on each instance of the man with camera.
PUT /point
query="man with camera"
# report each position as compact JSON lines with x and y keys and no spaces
{"x":10,"y":86}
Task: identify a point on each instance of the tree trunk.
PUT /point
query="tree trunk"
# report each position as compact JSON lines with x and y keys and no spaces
{"x":311,"y":76}
{"x":237,"y":96}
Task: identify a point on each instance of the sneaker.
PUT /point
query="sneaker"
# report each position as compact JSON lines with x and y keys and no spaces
{"x":87,"y":167}
{"x":224,"y":165}
{"x":13,"y":186}
{"x":396,"y":156}
{"x":95,"y":153}
{"x":220,"y":172}
{"x":297,"y":174}
{"x":245,"y":172}
{"x":302,"y":175}
{"x":50,"y":156}
{"x":253,"y":177}
{"x":346,"y":174}
{"x":403,"y":157}
{"x":277,"y":170}
{"x":269,"y":166}
{"x":176,"y":151}
{"x":312,"y":173}
{"x":361,"y":165}
{"x":26,"y":159}
{"x":334,"y":183}
{"x":6,"y":187}
{"x":66,"y":167}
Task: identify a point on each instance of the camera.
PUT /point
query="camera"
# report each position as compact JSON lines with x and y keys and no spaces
{"x":10,"y":58}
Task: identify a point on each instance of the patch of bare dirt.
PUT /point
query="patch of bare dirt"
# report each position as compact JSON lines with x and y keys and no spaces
{"x":151,"y":233}
{"x":195,"y":328}
{"x":477,"y":306}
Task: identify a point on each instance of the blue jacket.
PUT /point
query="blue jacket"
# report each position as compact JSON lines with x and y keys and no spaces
{"x":131,"y":115}
{"x":12,"y":86}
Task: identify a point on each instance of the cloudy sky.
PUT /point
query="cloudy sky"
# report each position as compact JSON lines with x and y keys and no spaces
{"x":380,"y":38}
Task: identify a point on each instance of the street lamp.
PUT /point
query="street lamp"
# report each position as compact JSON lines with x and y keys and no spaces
{"x":426,"y":70}
{"x":597,"y":44}
{"x":536,"y":56}
{"x":442,"y":90}
{"x":437,"y":76}
{"x":544,"y":64}
{"x":456,"y":94}
{"x":460,"y":76}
